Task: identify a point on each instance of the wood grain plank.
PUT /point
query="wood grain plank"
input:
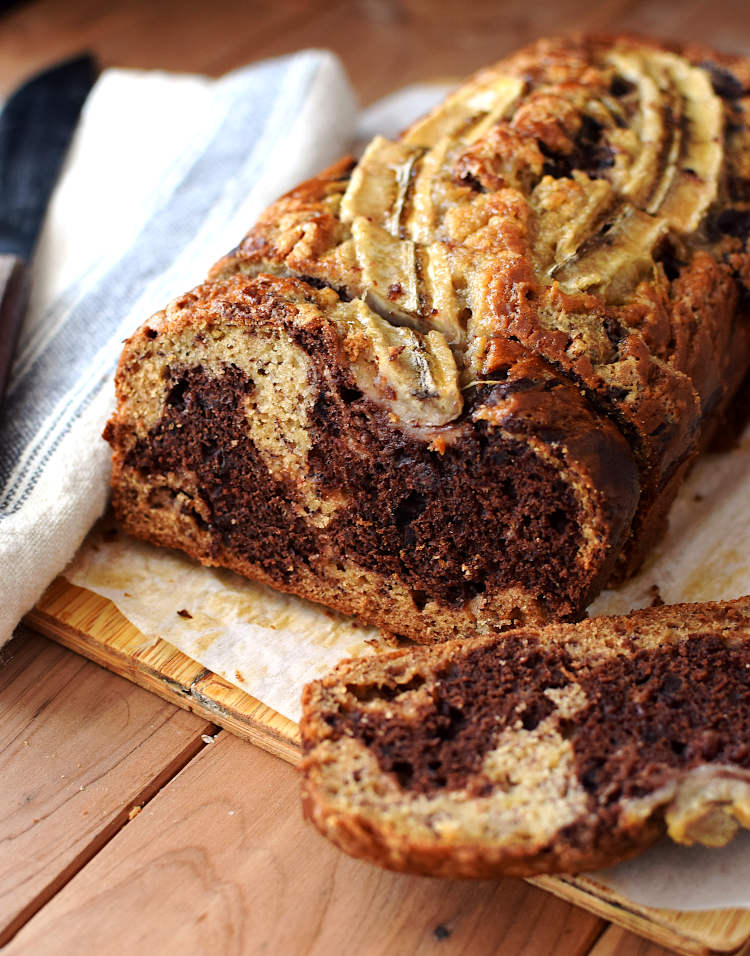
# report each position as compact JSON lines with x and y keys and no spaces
{"x":180,"y":35}
{"x":405,"y":41}
{"x":221,"y":861}
{"x":80,"y":747}
{"x":383,"y":43}
{"x":616,"y":941}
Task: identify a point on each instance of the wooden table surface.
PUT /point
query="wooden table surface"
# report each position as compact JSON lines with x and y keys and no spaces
{"x":128,"y":825}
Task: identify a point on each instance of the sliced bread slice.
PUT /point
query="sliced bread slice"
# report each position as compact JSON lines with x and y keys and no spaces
{"x":538,"y":750}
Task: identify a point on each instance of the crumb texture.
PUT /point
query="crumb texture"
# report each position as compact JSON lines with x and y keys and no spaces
{"x":540,"y":749}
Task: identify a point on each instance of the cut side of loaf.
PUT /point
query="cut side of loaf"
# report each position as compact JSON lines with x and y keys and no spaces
{"x":455,"y":385}
{"x":540,"y":750}
{"x":250,"y":433}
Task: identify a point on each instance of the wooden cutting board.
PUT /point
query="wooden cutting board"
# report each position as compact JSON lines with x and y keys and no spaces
{"x":92,"y":626}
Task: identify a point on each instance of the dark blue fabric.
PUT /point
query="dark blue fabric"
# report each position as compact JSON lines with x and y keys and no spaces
{"x":36,"y":126}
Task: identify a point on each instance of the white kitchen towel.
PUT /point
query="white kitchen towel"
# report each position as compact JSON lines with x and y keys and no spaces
{"x":165,"y":174}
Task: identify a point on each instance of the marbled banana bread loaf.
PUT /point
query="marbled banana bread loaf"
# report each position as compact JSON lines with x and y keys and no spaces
{"x":456,"y":384}
{"x":540,"y":750}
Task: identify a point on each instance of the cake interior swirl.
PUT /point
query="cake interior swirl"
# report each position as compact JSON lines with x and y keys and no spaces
{"x":555,"y":749}
{"x":456,"y":385}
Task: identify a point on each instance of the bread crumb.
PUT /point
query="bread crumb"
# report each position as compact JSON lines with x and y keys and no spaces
{"x":134,"y":811}
{"x":656,"y":599}
{"x":439,"y":445}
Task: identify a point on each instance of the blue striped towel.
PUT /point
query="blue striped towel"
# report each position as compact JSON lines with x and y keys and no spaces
{"x":165,"y":174}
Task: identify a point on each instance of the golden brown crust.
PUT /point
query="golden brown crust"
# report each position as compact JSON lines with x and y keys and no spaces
{"x":658,"y":340}
{"x":554,"y":261}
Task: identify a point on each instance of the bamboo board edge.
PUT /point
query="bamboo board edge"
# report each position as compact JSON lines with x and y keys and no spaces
{"x":693,"y":933}
{"x":183,"y":682}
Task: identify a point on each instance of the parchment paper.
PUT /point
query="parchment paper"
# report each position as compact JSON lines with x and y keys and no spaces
{"x":268,"y":643}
